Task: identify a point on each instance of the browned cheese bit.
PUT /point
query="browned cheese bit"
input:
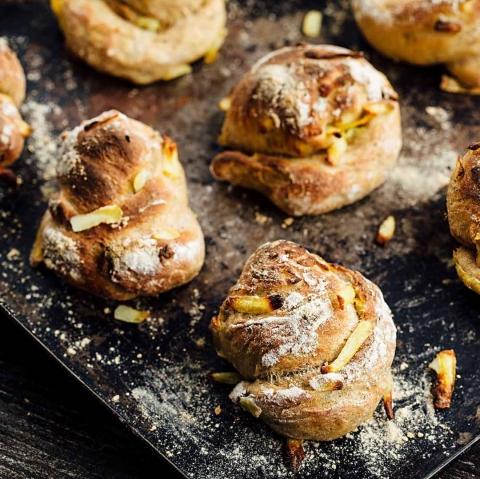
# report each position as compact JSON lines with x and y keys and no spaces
{"x":445,"y":365}
{"x":255,"y":304}
{"x":9,"y":177}
{"x":388,"y":405}
{"x":228,"y":377}
{"x":294,"y":453}
{"x":386,"y":230}
{"x":446,"y":26}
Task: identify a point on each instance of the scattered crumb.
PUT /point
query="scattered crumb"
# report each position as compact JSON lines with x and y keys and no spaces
{"x":43,"y":143}
{"x":312,"y":23}
{"x":261,"y":219}
{"x":13,"y":254}
{"x":440,"y":115}
{"x":287,"y":222}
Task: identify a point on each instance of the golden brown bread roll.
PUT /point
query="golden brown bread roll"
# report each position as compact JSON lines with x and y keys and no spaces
{"x":13,"y":130}
{"x":426,"y":33}
{"x":314,"y":340}
{"x":313,"y":128}
{"x":121,"y":225}
{"x":142,"y":40}
{"x":463,"y":206}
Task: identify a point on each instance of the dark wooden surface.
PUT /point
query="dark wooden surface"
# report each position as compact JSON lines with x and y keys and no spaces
{"x":50,"y":427}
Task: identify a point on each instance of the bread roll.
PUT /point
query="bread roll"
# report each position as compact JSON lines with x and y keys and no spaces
{"x":313,"y":128}
{"x":426,"y":32}
{"x":142,"y":40}
{"x":313,"y":340}
{"x":463,"y":206}
{"x":121,"y":226}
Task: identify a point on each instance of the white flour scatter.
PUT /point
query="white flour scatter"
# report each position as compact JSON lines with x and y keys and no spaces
{"x":144,"y":258}
{"x":44,"y":114}
{"x":68,"y":158}
{"x":366,"y":75}
{"x":196,"y":312}
{"x":187,"y":406}
{"x":440,"y":116}
{"x":425,"y":164}
{"x":295,"y":332}
{"x":383,"y":443}
{"x":286,"y":95}
{"x":61,"y":252}
{"x":43,"y":143}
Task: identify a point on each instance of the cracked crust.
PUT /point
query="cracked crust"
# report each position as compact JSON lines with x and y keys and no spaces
{"x":288,"y":111}
{"x":281,"y":353}
{"x":156,"y":246}
{"x":425,"y":33}
{"x":110,"y":35}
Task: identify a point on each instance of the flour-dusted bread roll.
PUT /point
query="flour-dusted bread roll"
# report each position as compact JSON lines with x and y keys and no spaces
{"x":13,"y":130}
{"x":463,"y":205}
{"x":426,"y":32}
{"x":313,"y":128}
{"x":121,"y":225}
{"x":314,"y":341}
{"x":142,"y":40}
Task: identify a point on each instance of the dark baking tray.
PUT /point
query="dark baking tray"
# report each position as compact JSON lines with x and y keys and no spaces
{"x":154,"y":377}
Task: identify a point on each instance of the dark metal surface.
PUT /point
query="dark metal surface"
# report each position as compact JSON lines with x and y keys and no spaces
{"x":55,"y":429}
{"x":154,"y":377}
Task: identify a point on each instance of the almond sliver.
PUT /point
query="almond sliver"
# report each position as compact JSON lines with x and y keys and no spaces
{"x":355,"y":341}
{"x":312,"y":24}
{"x":166,"y":233}
{"x":130,"y":315}
{"x":140,"y":179}
{"x":106,"y":214}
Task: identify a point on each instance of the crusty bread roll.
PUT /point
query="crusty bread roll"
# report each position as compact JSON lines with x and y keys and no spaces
{"x":142,"y":40}
{"x":313,"y":128}
{"x":120,"y":226}
{"x":463,"y":206}
{"x":315,"y":342}
{"x":13,"y":130}
{"x":424,"y":32}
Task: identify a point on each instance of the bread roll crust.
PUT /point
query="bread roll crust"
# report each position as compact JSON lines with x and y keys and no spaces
{"x":288,"y":111}
{"x":463,"y":207}
{"x":425,"y":33}
{"x":282,"y":353}
{"x":114,"y":41}
{"x":155,"y":246}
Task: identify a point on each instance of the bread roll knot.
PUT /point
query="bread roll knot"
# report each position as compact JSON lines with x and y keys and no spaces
{"x":120,"y":225}
{"x":298,"y":123}
{"x":311,"y":338}
{"x":142,"y":40}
